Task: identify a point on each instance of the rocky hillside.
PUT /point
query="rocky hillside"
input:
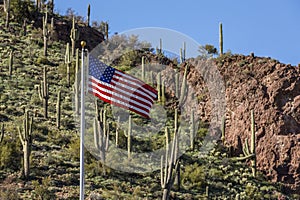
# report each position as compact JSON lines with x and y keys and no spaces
{"x":272,"y":90}
{"x":54,"y":156}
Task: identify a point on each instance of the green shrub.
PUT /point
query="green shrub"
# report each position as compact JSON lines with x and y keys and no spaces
{"x":193,"y":176}
{"x":10,"y":154}
{"x":42,"y":60}
{"x":9,"y":194}
{"x":41,"y":190}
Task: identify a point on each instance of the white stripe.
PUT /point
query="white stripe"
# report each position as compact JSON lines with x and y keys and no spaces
{"x":132,"y":89}
{"x":127,"y":78}
{"x":138,"y":88}
{"x":121,"y":96}
{"x":118,"y":101}
{"x":123,"y":91}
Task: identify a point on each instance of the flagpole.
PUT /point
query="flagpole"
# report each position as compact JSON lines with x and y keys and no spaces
{"x":82,"y":123}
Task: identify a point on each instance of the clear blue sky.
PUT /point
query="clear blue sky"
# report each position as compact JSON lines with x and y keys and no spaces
{"x":268,"y":28}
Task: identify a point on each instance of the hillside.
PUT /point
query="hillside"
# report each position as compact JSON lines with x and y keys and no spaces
{"x":272,"y":90}
{"x":54,"y":158}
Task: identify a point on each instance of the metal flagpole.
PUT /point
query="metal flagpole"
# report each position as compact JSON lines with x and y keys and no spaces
{"x":82,"y":123}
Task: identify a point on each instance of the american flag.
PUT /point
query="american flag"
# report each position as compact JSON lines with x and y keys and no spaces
{"x":117,"y":88}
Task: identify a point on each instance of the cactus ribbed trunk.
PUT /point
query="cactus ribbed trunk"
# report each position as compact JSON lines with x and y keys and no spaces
{"x":76,"y":83}
{"x":58,"y":110}
{"x":2,"y":133}
{"x":43,"y":91}
{"x":74,"y":36}
{"x":221,"y":38}
{"x":88,"y":15}
{"x":26,"y":141}
{"x":7,"y":11}
{"x":129,"y":138}
{"x":45,"y":46}
{"x":10,"y":62}
{"x":253,"y":151}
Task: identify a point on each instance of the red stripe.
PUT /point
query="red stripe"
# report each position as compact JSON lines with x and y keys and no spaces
{"x":121,"y":93}
{"x":131,"y":91}
{"x":119,"y":105}
{"x":142,"y":84}
{"x":119,"y":98}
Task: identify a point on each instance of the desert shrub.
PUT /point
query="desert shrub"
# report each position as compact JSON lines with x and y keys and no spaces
{"x":41,"y":190}
{"x":73,"y":150}
{"x":9,"y":194}
{"x":22,"y":9}
{"x":193,"y":176}
{"x":10,"y":154}
{"x":42,"y":60}
{"x":211,"y":49}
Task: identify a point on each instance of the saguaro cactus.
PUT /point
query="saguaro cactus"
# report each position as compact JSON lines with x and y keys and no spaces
{"x":192,"y":131}
{"x":25,"y":136}
{"x":250,"y":153}
{"x":2,"y":133}
{"x":10,"y":62}
{"x":6,"y":5}
{"x":166,"y":171}
{"x":106,"y":30}
{"x":143,"y":68}
{"x":129,"y":133}
{"x":177,"y":84}
{"x":221,"y":38}
{"x":58,"y":109}
{"x":88,"y":15}
{"x":77,"y":82}
{"x":101,"y":134}
{"x":117,"y":131}
{"x":183,"y":87}
{"x":68,"y":62}
{"x":158,"y":85}
{"x":74,"y":36}
{"x":183,"y":53}
{"x":253,"y":147}
{"x":223,"y":129}
{"x":44,"y":93}
{"x":45,"y":32}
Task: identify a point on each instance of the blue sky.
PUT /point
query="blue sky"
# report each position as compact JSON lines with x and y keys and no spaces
{"x":269,"y":28}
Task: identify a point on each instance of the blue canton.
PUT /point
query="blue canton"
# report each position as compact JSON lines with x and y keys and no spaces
{"x":100,"y":71}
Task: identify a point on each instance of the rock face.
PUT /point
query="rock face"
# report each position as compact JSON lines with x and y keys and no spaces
{"x":272,"y":90}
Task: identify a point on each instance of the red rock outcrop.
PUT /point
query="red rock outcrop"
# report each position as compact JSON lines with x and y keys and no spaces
{"x":272,"y":90}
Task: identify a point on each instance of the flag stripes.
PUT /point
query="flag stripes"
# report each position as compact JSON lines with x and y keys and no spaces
{"x":120,"y":89}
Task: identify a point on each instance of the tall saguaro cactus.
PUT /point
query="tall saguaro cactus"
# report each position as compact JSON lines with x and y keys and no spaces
{"x":221,"y":38}
{"x":74,"y":36}
{"x":58,"y":109}
{"x":253,"y":147}
{"x":44,"y":92}
{"x":106,"y":30}
{"x":183,"y":53}
{"x":250,"y":153}
{"x":2,"y":133}
{"x":77,"y":82}
{"x":88,"y":15}
{"x":183,"y":87}
{"x":7,"y":11}
{"x":192,"y":131}
{"x":10,"y":62}
{"x":68,"y":62}
{"x":25,"y":136}
{"x":171,"y":164}
{"x":45,"y":32}
{"x":129,"y":133}
{"x":101,"y":135}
